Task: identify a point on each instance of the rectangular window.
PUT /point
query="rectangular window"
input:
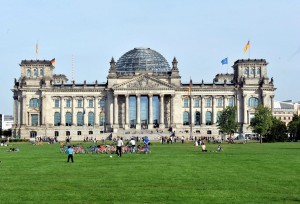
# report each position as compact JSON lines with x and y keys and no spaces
{"x":68,"y":103}
{"x":79,"y":103}
{"x":102,"y":103}
{"x":91,"y":103}
{"x":197,"y":102}
{"x":56,"y":133}
{"x":34,"y":119}
{"x":185,"y":103}
{"x":90,"y":132}
{"x":230,"y":102}
{"x":56,"y":103}
{"x":78,"y":132}
{"x":208,"y":102}
{"x":220,"y":102}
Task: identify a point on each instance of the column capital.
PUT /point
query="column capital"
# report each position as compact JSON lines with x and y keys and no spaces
{"x":161,"y":95}
{"x":150,"y":95}
{"x":138,"y":95}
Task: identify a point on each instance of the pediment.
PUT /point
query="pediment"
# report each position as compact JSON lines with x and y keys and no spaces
{"x":144,"y":82}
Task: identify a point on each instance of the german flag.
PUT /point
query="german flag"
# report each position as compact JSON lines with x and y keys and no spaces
{"x":53,"y":61}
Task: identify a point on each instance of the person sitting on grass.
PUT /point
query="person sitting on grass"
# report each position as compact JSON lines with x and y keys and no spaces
{"x":203,"y":147}
{"x":219,"y":149}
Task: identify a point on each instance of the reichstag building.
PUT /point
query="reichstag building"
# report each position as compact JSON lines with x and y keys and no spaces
{"x":143,"y":95}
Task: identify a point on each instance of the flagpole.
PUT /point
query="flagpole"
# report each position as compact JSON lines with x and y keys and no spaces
{"x":36,"y":49}
{"x":249,"y":49}
{"x":227,"y":65}
{"x":190,"y":96}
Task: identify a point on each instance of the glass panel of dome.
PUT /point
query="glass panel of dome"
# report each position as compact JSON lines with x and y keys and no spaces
{"x":142,"y":59}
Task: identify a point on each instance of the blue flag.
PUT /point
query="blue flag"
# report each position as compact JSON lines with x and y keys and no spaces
{"x":224,"y":61}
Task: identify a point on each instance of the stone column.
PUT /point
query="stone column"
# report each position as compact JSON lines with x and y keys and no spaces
{"x":138,"y":112}
{"x":19,"y":112}
{"x":224,"y":102}
{"x":213,"y":118}
{"x":15,"y":110}
{"x":73,"y":111}
{"x":116,"y":116}
{"x":172,"y":110}
{"x":245,"y":109}
{"x":127,"y":125}
{"x":24,"y":110}
{"x":96,"y":110}
{"x":161,"y":121}
{"x":150,"y":122}
{"x":272,"y":103}
{"x":237,"y":102}
{"x":264,"y":102}
{"x":85,"y":111}
{"x":43,"y":110}
{"x":62,"y":112}
{"x":191,"y":102}
{"x":202,"y":111}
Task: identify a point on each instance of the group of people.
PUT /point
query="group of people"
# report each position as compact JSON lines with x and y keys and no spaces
{"x":203,"y":147}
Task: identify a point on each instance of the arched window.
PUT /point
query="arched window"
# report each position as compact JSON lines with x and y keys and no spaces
{"x":197,"y":118}
{"x":219,"y":113}
{"x":28,"y":72}
{"x":34,"y":103}
{"x":246,"y":71}
{"x":35,"y":72}
{"x":102,"y":119}
{"x":253,"y":102}
{"x":68,"y":119}
{"x":252,"y":71}
{"x":80,"y":119}
{"x":186,"y":118}
{"x":56,"y":119}
{"x":42,"y":72}
{"x":91,"y":119}
{"x":208,"y":118}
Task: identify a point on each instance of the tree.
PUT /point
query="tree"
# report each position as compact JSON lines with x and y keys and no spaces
{"x":7,"y":133}
{"x":278,"y":131}
{"x":262,"y":121}
{"x":227,"y":121}
{"x":294,"y":128}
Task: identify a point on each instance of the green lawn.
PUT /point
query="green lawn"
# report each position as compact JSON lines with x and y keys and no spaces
{"x":177,"y":173}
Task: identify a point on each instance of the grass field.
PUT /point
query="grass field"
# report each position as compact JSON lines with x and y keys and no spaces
{"x":177,"y":173}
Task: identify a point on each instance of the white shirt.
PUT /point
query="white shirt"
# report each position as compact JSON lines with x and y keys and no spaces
{"x":132,"y":142}
{"x":119,"y":143}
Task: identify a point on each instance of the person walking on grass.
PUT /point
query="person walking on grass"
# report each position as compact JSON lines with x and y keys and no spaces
{"x":70,"y":154}
{"x":119,"y":146}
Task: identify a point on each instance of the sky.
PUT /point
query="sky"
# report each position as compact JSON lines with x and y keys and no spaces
{"x":198,"y":33}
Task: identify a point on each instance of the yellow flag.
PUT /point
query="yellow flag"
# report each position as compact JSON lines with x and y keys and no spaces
{"x":247,"y":46}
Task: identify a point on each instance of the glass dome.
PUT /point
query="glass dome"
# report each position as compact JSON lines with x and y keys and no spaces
{"x":142,"y":59}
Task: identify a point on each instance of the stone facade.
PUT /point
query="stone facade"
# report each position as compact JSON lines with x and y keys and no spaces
{"x":46,"y":105}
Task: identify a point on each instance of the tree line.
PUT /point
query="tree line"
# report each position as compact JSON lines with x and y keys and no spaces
{"x":264,"y":124}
